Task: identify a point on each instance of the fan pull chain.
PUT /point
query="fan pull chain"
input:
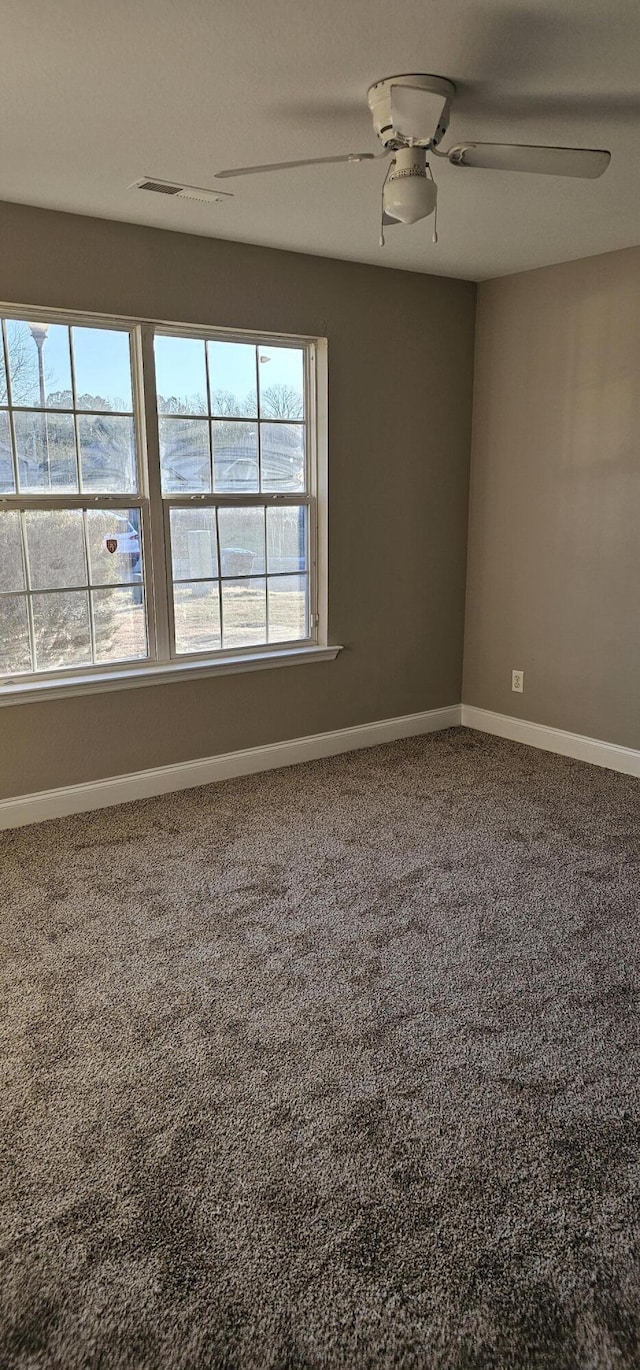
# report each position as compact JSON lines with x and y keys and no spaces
{"x":388,"y":173}
{"x":434,"y":238}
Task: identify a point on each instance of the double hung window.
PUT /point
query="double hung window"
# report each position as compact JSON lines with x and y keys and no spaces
{"x":158,"y":499}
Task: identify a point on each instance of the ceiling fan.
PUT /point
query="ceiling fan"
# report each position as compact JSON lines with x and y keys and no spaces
{"x":411,"y":116}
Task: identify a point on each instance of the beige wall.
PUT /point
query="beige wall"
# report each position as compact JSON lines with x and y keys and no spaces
{"x":553,"y":579}
{"x":400,"y":364}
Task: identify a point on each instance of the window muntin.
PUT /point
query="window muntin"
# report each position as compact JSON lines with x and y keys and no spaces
{"x":240,"y":560}
{"x":72,"y":591}
{"x":66,"y":599}
{"x":225,"y":494}
{"x":66,"y":410}
{"x":240,"y":573}
{"x":231,"y":416}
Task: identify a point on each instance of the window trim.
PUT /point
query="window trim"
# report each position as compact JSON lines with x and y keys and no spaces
{"x":163,"y":673}
{"x":160,"y":667}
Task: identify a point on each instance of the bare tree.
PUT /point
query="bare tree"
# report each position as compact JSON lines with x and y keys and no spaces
{"x":24,"y":365}
{"x":282,"y":402}
{"x":225,"y":404}
{"x":185,"y":404}
{"x":63,"y":399}
{"x":277,"y":402}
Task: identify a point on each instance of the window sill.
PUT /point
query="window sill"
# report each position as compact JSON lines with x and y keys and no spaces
{"x":166,"y":674}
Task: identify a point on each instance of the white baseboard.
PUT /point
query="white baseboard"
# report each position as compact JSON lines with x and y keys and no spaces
{"x":184,"y":775}
{"x":624,"y":759}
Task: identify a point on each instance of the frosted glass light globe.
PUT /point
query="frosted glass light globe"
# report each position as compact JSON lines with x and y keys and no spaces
{"x":409,"y":194}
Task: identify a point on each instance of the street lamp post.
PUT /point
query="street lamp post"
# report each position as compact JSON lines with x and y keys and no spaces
{"x":39,"y":334}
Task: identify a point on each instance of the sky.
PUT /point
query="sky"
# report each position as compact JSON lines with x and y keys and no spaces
{"x":180,"y":366}
{"x":101,"y":359}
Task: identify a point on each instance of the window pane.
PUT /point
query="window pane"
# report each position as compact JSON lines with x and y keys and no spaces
{"x":287,"y":539}
{"x":46,"y":453}
{"x":287,"y":608}
{"x":11,"y":558}
{"x":119,"y":625}
{"x":55,"y":548}
{"x":281,"y":371}
{"x":7,"y":478}
{"x":107,"y":454}
{"x":235,"y":456}
{"x":244,"y":613}
{"x":61,"y":630}
{"x":115,"y":547}
{"x":181,"y":378}
{"x":102,"y":364}
{"x":232,"y":377}
{"x":196,"y":609}
{"x":193,"y":544}
{"x":282,"y":456}
{"x":39,"y":364}
{"x":184,"y":456}
{"x":15,"y":652}
{"x":241,"y":541}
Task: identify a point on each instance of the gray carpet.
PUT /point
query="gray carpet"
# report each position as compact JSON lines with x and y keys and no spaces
{"x":336,"y":1066}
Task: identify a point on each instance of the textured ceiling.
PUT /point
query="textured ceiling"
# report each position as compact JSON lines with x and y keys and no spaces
{"x":95,"y":95}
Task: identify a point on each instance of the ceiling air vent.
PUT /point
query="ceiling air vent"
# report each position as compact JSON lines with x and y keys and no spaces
{"x":180,"y":192}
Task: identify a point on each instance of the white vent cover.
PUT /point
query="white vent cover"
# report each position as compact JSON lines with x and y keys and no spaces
{"x":180,"y":192}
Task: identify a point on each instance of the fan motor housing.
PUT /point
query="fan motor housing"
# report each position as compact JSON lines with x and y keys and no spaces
{"x":438,"y":110}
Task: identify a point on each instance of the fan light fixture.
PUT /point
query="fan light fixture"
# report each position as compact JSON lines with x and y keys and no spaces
{"x":409,"y":194}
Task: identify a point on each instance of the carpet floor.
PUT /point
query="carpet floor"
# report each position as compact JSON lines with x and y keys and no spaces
{"x":333,"y":1067}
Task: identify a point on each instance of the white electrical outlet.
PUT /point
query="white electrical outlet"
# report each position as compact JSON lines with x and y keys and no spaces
{"x":517,"y":681}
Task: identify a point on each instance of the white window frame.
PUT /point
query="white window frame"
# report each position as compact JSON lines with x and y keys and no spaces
{"x":161,"y":666}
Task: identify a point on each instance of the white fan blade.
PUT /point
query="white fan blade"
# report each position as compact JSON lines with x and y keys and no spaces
{"x":545,"y":161}
{"x":309,"y":161}
{"x":416,"y":113}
